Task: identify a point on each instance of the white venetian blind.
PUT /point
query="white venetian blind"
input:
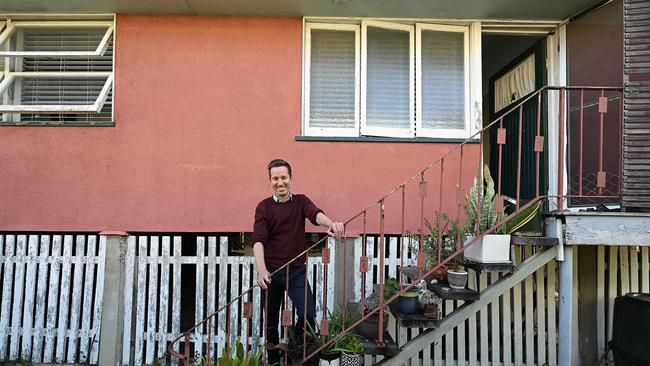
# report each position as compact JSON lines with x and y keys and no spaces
{"x":388,"y":79}
{"x":443,"y":80}
{"x":332,"y":102}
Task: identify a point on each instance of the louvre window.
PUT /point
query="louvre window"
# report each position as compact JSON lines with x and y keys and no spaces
{"x":387,"y":79}
{"x":56,"y":72}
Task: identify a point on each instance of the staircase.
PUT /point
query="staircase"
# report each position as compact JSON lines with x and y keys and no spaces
{"x":412,"y":196}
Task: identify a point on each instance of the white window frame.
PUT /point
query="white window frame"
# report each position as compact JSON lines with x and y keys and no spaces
{"x":386,"y":131}
{"x":331,"y":131}
{"x":12,"y":26}
{"x":443,"y":132}
{"x":96,"y":107}
{"x":8,"y":76}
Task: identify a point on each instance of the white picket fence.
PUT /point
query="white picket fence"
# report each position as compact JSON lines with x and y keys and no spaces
{"x":153,"y":289}
{"x":52,"y":287}
{"x":619,"y":270}
{"x":52,"y":296}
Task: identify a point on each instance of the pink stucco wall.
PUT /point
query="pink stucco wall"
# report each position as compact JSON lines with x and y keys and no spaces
{"x":201,"y":105}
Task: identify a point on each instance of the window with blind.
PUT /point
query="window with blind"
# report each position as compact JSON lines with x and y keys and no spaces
{"x":56,"y":72}
{"x":389,"y":79}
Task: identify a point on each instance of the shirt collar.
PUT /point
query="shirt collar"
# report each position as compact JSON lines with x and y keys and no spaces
{"x":277,"y":199}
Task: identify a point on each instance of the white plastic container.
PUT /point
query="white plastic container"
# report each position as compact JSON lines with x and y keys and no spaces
{"x":492,"y":248}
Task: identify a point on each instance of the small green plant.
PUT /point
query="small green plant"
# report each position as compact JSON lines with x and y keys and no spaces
{"x":391,"y":286}
{"x":484,"y":216}
{"x":353,"y":345}
{"x":337,"y":322}
{"x":238,"y":356}
{"x":488,"y":209}
{"x":442,"y":231}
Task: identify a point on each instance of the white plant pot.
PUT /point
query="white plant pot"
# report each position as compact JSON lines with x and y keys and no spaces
{"x":335,"y":362}
{"x":492,"y":248}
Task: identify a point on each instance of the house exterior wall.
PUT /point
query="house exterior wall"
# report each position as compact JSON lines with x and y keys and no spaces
{"x":201,"y":105}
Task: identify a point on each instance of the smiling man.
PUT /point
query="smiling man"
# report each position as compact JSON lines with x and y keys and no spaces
{"x":278,"y":237}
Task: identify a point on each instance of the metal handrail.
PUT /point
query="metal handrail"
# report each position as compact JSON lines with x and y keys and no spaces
{"x":401,"y":187}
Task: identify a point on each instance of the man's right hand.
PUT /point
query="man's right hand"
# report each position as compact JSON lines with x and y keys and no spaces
{"x":263,"y":278}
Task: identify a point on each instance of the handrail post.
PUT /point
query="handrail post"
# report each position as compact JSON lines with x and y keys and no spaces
{"x":560,"y":153}
{"x":381,"y":272}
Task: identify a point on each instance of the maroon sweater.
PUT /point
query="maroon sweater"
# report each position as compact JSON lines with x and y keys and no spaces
{"x":280,"y":227}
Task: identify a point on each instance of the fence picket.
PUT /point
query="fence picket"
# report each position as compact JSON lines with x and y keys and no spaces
{"x":600,"y":299}
{"x":84,"y":351}
{"x":552,"y":334}
{"x":212,"y":281}
{"x":257,"y":312}
{"x":245,"y":285}
{"x":613,"y":276}
{"x":41,"y":293}
{"x":645,"y":270}
{"x":176,"y":290}
{"x":506,"y":326}
{"x":234,"y":292}
{"x":52,"y":298}
{"x":99,"y":297}
{"x":141,"y":291}
{"x":541,"y":316}
{"x":152,"y":295}
{"x":73,"y":339}
{"x":200,"y":287}
{"x":449,"y":336}
{"x":223,"y":295}
{"x":634,"y":269}
{"x":517,"y":316}
{"x":9,"y":261}
{"x":164,"y":295}
{"x":460,"y":345}
{"x":393,"y":262}
{"x":625,"y":270}
{"x":471,"y":322}
{"x":128,"y":298}
{"x":483,"y":315}
{"x":529,"y":293}
{"x":30,"y":293}
{"x":64,"y":299}
{"x":21,"y":251}
{"x":494,"y":324}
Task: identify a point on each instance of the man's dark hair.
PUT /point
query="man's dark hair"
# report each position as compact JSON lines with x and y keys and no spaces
{"x":275,"y":163}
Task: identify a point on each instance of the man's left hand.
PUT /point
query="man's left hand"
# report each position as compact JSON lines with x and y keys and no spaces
{"x":337,"y":229}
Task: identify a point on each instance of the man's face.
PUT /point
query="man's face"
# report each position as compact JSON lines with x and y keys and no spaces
{"x":281,"y":182}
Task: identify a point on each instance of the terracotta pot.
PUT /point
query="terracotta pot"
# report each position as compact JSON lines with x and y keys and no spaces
{"x":440,"y":274}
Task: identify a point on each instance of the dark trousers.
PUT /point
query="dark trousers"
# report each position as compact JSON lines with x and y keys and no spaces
{"x":296,"y":293}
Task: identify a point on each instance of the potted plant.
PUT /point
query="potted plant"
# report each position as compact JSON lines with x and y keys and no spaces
{"x":369,"y":328}
{"x":457,"y":278}
{"x":240,"y":356}
{"x":442,"y":232}
{"x":337,"y":322}
{"x":429,"y":302}
{"x":351,"y":352}
{"x":407,"y":303}
{"x":491,"y":248}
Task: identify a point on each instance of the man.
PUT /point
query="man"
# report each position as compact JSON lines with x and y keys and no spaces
{"x":278,"y":237}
